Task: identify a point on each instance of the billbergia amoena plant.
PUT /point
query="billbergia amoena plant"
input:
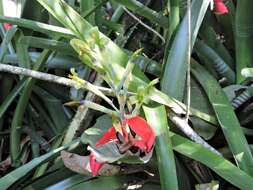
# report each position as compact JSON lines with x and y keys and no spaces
{"x":126,"y":94}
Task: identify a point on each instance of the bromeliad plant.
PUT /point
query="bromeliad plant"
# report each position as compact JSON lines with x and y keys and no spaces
{"x":130,"y":135}
{"x":122,"y":135}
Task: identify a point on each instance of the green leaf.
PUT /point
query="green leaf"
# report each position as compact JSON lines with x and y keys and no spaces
{"x":157,"y":119}
{"x":86,"y":6}
{"x":15,"y":175}
{"x":22,"y":51}
{"x":20,"y":109}
{"x":12,"y":95}
{"x":44,"y":43}
{"x":59,"y":61}
{"x":112,"y":55}
{"x":209,"y":35}
{"x":144,"y":11}
{"x":42,"y":169}
{"x":54,"y":107}
{"x":215,"y":60}
{"x":218,"y":164}
{"x":38,"y":26}
{"x":174,"y":71}
{"x":226,"y":118}
{"x":112,"y":183}
{"x":6,"y":41}
{"x":243,"y":37}
{"x":200,"y":102}
{"x":61,"y":178}
{"x":174,"y":19}
{"x":67,"y":16}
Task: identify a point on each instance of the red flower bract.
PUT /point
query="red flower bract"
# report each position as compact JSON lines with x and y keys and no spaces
{"x":109,"y":135}
{"x":94,"y":165}
{"x":220,"y":7}
{"x":144,"y":138}
{"x":144,"y":131}
{"x":7,"y":26}
{"x":139,"y":126}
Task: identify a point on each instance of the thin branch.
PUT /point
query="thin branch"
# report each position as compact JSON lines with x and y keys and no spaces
{"x":188,"y":87}
{"x":81,"y":115}
{"x":143,"y":24}
{"x":50,"y":78}
{"x":189,"y":132}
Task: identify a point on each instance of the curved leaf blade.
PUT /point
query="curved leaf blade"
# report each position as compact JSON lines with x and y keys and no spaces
{"x":226,"y":118}
{"x":218,"y":164}
{"x":157,"y":118}
{"x":174,"y":74}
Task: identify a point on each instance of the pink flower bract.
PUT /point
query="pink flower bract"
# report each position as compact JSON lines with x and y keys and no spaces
{"x":7,"y":26}
{"x":220,"y":7}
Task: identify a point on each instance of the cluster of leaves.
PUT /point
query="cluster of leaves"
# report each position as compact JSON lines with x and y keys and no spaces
{"x":97,"y":39}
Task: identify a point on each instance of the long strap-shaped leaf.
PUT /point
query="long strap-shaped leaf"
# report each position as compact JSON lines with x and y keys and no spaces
{"x":182,"y":145}
{"x":38,"y":26}
{"x":157,"y":118}
{"x":173,"y":81}
{"x":144,"y":11}
{"x":15,"y":175}
{"x":209,"y":35}
{"x":215,"y":60}
{"x":113,"y":55}
{"x":67,"y":16}
{"x":243,"y":36}
{"x":15,"y":136}
{"x":226,"y":118}
{"x":218,"y":164}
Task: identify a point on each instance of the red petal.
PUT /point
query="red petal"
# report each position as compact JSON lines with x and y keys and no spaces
{"x":7,"y":26}
{"x":143,"y":130}
{"x":94,"y":165}
{"x":109,"y":135}
{"x":220,"y":7}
